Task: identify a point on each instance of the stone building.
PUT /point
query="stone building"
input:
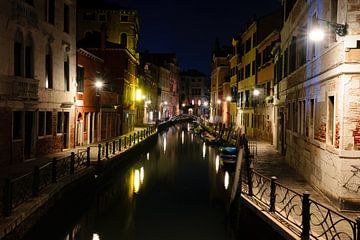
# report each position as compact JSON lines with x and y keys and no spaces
{"x":194,"y":92}
{"x":111,"y":33}
{"x":220,"y":82}
{"x":318,"y":95}
{"x":264,"y":118}
{"x":37,"y":78}
{"x":90,"y":71}
{"x":168,"y":80}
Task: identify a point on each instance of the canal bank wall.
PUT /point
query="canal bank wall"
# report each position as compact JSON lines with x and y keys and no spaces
{"x":78,"y":187}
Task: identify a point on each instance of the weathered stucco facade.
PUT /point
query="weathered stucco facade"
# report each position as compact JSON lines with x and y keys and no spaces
{"x":37,"y":78}
{"x":319,"y":96}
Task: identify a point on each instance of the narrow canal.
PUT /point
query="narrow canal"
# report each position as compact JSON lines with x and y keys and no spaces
{"x":173,"y":190}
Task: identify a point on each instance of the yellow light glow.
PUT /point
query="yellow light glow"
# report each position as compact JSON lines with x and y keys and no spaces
{"x":164,"y":144}
{"x":136,"y":181}
{"x":138,"y":95}
{"x":218,"y":101}
{"x":182,"y":137}
{"x":228,"y":98}
{"x":256,"y":92}
{"x":148,"y":156}
{"x":226,"y":180}
{"x":217,"y":163}
{"x":142,"y":175}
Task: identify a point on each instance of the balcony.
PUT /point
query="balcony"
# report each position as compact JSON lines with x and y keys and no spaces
{"x":19,"y":88}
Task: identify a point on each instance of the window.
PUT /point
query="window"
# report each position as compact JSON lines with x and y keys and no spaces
{"x":66,"y":18}
{"x":294,"y":117}
{"x":247,"y":70}
{"x":331,"y":119}
{"x":312,"y":106}
{"x":18,"y":51}
{"x":248,"y":45}
{"x":102,"y":17}
{"x":66,"y":73}
{"x":50,"y":11}
{"x":17,"y":125}
{"x":286,"y":59}
{"x":292,"y":58}
{"x":334,"y":13}
{"x":48,"y":68}
{"x":29,"y":58}
{"x":45,"y":123}
{"x":124,"y":18}
{"x":48,"y":124}
{"x":254,"y":40}
{"x":253,"y":67}
{"x":59,"y":122}
{"x":123,"y":40}
{"x":80,"y":78}
{"x":89,"y":16}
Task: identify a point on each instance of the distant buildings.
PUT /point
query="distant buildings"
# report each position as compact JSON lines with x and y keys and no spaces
{"x":194,"y":93}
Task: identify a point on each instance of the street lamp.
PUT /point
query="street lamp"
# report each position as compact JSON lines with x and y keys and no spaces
{"x":99,"y":84}
{"x":318,"y":34}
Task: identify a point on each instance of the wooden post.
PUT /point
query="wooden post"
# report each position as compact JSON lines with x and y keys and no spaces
{"x":107,"y":150}
{"x":272,"y":193}
{"x":88,"y":163}
{"x":114,"y":144}
{"x":72,"y":163}
{"x":305,"y":234}
{"x":99,"y":153}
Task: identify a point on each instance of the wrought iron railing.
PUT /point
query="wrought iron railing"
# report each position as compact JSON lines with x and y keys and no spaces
{"x":21,"y":189}
{"x":45,"y":175}
{"x":306,"y":218}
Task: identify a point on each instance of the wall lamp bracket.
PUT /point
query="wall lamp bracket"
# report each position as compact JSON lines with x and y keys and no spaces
{"x":338,"y":28}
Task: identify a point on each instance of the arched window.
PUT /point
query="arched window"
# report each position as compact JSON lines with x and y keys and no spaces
{"x":29,"y":57}
{"x":18,"y":54}
{"x":48,"y":68}
{"x":123,"y":40}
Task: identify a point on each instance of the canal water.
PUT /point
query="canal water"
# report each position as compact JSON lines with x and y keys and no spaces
{"x":176,"y":189}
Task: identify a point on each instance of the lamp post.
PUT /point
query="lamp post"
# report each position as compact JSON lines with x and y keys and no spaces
{"x":317,"y":34}
{"x":256,"y":95}
{"x":99,"y":85}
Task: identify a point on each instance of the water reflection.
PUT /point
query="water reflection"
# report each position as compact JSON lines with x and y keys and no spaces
{"x":226,"y":180}
{"x":204,"y":150}
{"x":217,"y":163}
{"x":180,"y":189}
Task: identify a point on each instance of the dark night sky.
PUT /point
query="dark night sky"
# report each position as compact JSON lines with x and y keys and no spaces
{"x":189,"y":27}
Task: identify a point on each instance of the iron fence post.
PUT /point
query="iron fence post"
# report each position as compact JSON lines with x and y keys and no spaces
{"x":130,"y":140}
{"x":99,"y":153}
{"x":119,"y":144}
{"x":88,"y":157}
{"x":125,"y":142}
{"x":138,"y":137}
{"x":72,"y":163}
{"x":107,"y":149}
{"x":54,"y":170}
{"x":272,"y":193}
{"x":134,"y":138}
{"x":358,"y":228}
{"x":249,"y":178}
{"x":114,"y":147}
{"x":7,"y":200}
{"x":36,"y":181}
{"x":305,"y":234}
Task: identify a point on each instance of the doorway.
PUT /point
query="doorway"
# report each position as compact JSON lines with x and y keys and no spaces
{"x":66,"y":129}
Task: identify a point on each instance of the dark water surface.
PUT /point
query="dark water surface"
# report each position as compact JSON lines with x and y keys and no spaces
{"x":174,"y":190}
